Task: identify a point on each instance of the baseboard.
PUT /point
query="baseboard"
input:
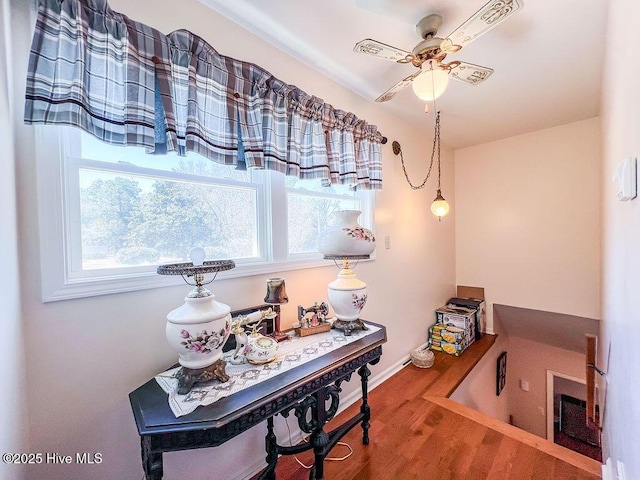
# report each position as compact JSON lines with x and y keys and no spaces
{"x":250,"y":470}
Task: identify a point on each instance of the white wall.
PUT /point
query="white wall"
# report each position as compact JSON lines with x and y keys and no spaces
{"x":528,"y":220}
{"x":478,"y":389}
{"x":86,"y":355}
{"x":13,"y":436}
{"x":618,"y":343}
{"x":527,"y":230}
{"x":529,"y":361}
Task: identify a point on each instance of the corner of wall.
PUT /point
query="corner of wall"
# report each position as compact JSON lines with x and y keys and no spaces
{"x":13,"y":417}
{"x":478,"y":389}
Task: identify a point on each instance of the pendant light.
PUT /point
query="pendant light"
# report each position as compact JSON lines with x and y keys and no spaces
{"x":439,"y":207}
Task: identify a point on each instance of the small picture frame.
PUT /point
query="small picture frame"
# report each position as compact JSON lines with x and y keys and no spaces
{"x":501,"y":372}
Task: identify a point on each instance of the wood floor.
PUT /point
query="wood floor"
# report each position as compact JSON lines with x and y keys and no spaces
{"x":417,"y":436}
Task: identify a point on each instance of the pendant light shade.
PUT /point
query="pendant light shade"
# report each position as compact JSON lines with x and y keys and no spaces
{"x":431,"y":83}
{"x":439,"y":207}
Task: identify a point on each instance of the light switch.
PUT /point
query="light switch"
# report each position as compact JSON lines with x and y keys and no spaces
{"x":625,"y":179}
{"x":524,"y":385}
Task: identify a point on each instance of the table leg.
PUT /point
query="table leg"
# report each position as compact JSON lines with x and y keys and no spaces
{"x":271,"y":446}
{"x":364,"y":373}
{"x":151,"y":461}
{"x":319,"y":438}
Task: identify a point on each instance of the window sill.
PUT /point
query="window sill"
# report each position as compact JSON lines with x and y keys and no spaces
{"x":108,"y":285}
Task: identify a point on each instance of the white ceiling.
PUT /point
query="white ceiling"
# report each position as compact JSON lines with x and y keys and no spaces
{"x":547,"y":57}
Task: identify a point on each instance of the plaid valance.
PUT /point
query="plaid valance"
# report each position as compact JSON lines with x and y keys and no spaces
{"x":129,"y":84}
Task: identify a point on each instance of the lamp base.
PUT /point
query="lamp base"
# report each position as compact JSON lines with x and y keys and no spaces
{"x":188,"y":377}
{"x":349,"y":325}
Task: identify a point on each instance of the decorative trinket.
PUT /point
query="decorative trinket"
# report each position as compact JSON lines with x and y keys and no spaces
{"x":255,"y":348}
{"x":313,"y":319}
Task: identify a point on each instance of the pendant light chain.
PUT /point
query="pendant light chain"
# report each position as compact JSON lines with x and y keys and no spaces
{"x":435,"y":147}
{"x":437,"y":135}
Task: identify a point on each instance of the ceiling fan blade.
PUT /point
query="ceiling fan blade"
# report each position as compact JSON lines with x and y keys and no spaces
{"x":490,"y":15}
{"x":470,"y":73}
{"x":398,"y":87}
{"x":382,"y":50}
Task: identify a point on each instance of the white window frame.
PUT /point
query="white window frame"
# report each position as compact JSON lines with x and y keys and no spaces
{"x":55,"y":211}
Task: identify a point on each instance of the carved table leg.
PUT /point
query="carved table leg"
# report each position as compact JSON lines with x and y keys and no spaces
{"x":319,"y":438}
{"x":271,"y":446}
{"x":364,"y":373}
{"x":151,"y":461}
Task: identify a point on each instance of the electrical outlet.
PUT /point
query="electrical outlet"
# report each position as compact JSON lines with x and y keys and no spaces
{"x":387,"y":242}
{"x":541,"y":411}
{"x":621,"y":473}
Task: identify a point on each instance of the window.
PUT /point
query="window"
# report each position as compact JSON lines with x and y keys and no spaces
{"x":115,"y":213}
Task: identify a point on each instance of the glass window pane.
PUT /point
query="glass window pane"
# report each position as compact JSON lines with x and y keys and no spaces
{"x":308,"y":216}
{"x":130,"y":220}
{"x":126,"y":211}
{"x":317,"y":185}
{"x":95,"y":149}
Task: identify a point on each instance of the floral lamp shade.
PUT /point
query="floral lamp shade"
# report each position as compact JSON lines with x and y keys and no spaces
{"x":347,"y":241}
{"x":346,"y":237}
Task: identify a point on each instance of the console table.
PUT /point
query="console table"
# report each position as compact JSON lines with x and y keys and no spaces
{"x":310,"y":390}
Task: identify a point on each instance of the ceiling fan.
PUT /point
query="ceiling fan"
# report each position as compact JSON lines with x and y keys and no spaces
{"x":431,"y":79}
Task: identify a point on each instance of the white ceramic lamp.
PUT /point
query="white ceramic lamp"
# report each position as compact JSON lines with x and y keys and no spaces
{"x":347,"y":241}
{"x":347,"y":294}
{"x":198,"y":329}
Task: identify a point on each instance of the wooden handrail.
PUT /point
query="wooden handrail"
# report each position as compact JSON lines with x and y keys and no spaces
{"x":595,"y":411}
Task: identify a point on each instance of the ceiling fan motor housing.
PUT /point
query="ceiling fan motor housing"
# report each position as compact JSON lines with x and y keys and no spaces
{"x":428,"y":49}
{"x":428,"y":26}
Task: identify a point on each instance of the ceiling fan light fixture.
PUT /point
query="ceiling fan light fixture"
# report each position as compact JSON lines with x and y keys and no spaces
{"x":432,"y":82}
